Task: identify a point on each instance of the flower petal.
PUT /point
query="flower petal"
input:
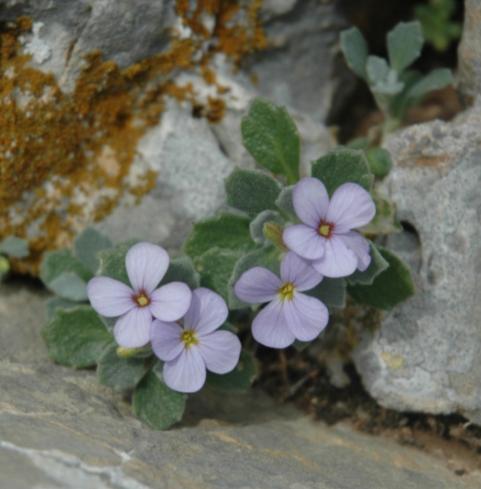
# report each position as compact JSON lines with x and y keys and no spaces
{"x":338,"y":260}
{"x":166,"y":340}
{"x":207,"y":311}
{"x":109,"y":297}
{"x":351,"y":207}
{"x":187,"y":372}
{"x":146,"y":265}
{"x":171,"y":301}
{"x":132,"y":330}
{"x":257,"y":285}
{"x":299,"y":272}
{"x":360,"y":245}
{"x":220,"y":351}
{"x":270,"y":328}
{"x":306,"y":316}
{"x":305,"y":241}
{"x":311,"y":201}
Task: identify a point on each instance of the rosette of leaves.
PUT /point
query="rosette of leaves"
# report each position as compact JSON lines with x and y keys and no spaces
{"x":394,"y":85}
{"x":11,"y":247}
{"x":76,"y":336}
{"x":249,"y":231}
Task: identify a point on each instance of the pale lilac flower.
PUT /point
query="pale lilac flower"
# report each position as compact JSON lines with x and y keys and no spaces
{"x":290,"y":314}
{"x":195,"y":347}
{"x":134,"y":306}
{"x":326,"y":238}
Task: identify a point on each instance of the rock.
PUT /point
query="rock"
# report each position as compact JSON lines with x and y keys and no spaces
{"x":469,"y":52}
{"x":130,"y":117}
{"x":425,"y":357}
{"x":59,"y":428}
{"x":22,"y":315}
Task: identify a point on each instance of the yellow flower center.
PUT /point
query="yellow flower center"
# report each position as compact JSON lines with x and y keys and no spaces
{"x":189,"y":338}
{"x":287,"y":291}
{"x":325,"y":229}
{"x":142,"y":300}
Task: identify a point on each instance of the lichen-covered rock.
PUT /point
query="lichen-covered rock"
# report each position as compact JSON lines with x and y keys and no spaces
{"x":86,"y":95}
{"x":425,"y":357}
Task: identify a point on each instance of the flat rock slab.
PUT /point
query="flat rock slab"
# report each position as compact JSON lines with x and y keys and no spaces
{"x":60,"y":429}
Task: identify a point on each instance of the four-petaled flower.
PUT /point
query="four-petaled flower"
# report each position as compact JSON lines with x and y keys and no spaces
{"x":290,"y":314}
{"x":191,"y":349}
{"x":146,"y":265}
{"x":326,"y":238}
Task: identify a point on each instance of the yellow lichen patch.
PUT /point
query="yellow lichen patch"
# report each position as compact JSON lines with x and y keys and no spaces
{"x":58,"y":149}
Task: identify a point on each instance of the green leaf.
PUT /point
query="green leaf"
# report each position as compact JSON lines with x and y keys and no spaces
{"x":435,"y":80}
{"x":58,"y":303}
{"x":387,"y":88}
{"x":379,"y":160}
{"x":359,"y":143}
{"x":267,"y":257}
{"x":157,"y":405}
{"x":14,"y":247}
{"x":87,"y":245}
{"x":377,"y":266}
{"x":385,"y":221}
{"x":65,"y":275}
{"x":257,"y":225}
{"x":240,"y":379}
{"x":4,"y":267}
{"x":76,"y":337}
{"x":284,"y":202}
{"x":271,"y":137}
{"x":404,"y":44}
{"x":215,"y":268}
{"x":331,"y":291}
{"x":340,"y":166}
{"x":389,"y":288}
{"x":120,"y":373}
{"x":251,"y":191}
{"x":181,"y":269}
{"x":69,"y":286}
{"x":112,"y":262}
{"x":355,"y":50}
{"x":377,"y":69}
{"x":225,"y":232}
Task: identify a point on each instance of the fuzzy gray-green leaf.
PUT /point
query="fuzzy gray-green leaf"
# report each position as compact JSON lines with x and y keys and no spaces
{"x":377,"y":266}
{"x":340,"y":166}
{"x":240,"y":379}
{"x":251,"y":191}
{"x":355,"y":50}
{"x":271,"y":137}
{"x":14,"y":247}
{"x":404,"y":44}
{"x":87,"y":245}
{"x":181,"y":269}
{"x":120,"y":373}
{"x":76,"y":337}
{"x":156,"y":405}
{"x":391,"y":287}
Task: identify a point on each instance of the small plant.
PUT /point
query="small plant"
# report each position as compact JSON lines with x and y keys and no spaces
{"x":438,"y":28}
{"x":161,"y":329}
{"x":11,"y":247}
{"x":394,"y":86}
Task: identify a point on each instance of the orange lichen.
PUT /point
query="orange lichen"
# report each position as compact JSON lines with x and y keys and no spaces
{"x":56,"y":145}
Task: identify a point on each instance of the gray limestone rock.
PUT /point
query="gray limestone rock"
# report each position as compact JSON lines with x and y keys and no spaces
{"x":60,"y":429}
{"x":425,"y":357}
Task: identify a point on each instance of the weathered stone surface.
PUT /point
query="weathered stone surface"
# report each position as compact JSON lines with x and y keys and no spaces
{"x":469,"y":55}
{"x":425,"y":357}
{"x":189,"y":155}
{"x":22,"y":315}
{"x":59,"y":429}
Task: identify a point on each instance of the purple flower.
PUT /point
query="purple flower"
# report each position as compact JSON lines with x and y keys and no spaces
{"x":290,"y":315}
{"x":326,"y":238}
{"x":146,"y":266}
{"x":191,"y":349}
